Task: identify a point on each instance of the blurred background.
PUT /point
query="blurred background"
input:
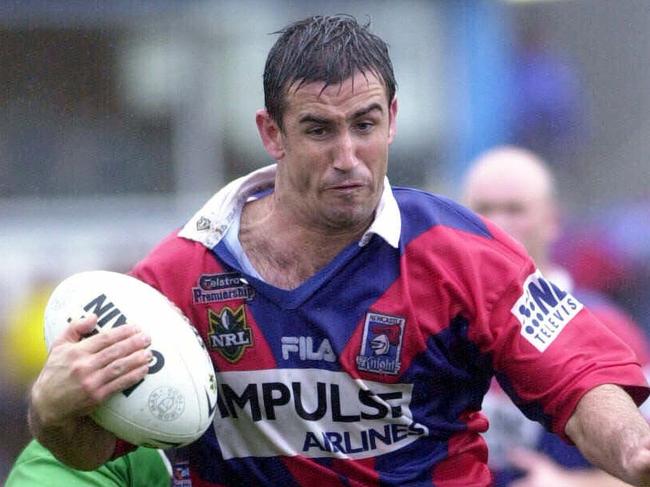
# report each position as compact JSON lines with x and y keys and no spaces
{"x":118,"y":119}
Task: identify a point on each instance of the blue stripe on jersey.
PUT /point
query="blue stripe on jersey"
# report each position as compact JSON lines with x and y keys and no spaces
{"x":459,"y":366}
{"x":533,"y":410}
{"x":327,"y":462}
{"x":409,"y":458}
{"x":432,"y":210}
{"x":210,"y":466}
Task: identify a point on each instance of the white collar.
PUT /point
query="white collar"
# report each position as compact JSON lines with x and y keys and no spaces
{"x":210,"y":223}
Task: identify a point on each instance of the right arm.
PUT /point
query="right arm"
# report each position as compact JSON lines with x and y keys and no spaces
{"x":78,"y":376}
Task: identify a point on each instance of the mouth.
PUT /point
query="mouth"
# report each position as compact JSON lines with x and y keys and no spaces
{"x":345,"y":187}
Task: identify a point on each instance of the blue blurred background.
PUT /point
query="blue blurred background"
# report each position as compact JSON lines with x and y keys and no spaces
{"x":119,"y":118}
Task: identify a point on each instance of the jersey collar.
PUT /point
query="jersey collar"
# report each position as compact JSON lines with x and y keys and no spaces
{"x":210,"y":223}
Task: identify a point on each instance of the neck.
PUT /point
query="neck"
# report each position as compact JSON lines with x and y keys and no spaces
{"x":285,"y":252}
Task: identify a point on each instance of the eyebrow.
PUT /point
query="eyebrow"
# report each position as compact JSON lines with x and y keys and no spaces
{"x":311,"y":118}
{"x":367,"y":110}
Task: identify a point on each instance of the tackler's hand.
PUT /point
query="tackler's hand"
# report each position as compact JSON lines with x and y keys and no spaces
{"x":82,"y":371}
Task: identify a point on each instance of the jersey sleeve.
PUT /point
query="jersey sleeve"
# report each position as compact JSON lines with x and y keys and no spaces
{"x":548,"y":350}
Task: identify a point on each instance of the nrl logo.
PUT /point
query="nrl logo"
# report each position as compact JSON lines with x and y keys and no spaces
{"x":228,"y":333}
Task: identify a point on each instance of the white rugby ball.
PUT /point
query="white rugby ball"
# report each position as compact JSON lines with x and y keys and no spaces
{"x":174,"y":404}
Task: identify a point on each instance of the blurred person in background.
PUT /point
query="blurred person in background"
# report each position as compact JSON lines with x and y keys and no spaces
{"x":515,"y":188}
{"x":408,"y":295}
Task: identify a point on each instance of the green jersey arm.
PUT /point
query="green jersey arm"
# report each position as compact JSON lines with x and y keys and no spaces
{"x":36,"y":467}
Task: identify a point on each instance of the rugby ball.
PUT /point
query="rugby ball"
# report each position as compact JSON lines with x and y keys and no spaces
{"x":174,"y":404}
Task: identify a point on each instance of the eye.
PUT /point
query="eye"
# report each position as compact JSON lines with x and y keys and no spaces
{"x":365,"y":126}
{"x":515,"y":208}
{"x":483,"y":209}
{"x":318,"y":131}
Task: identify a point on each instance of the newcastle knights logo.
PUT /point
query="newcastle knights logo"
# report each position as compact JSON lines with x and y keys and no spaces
{"x":381,"y":345}
{"x":228,"y":333}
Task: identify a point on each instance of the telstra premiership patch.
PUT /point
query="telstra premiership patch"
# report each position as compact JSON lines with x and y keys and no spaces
{"x":544,"y":310}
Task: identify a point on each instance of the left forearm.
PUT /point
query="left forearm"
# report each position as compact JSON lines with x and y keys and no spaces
{"x":611,"y":433}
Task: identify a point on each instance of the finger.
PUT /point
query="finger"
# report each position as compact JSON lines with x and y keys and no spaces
{"x":98,"y":385}
{"x":105,"y":339}
{"x":120,"y":349}
{"x":78,"y":328}
{"x":117,"y":378}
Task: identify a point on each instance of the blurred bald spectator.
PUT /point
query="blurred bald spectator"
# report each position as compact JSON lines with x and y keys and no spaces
{"x":515,"y":188}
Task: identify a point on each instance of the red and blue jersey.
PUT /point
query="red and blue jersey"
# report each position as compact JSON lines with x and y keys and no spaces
{"x":373,"y":371}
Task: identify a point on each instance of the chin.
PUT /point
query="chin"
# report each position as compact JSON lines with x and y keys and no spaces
{"x":352,"y":218}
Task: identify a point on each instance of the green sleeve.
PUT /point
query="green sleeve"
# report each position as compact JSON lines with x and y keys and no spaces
{"x":36,"y":467}
{"x":148,"y":468}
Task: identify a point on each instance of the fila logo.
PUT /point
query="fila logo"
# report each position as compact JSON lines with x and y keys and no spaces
{"x":306,"y":349}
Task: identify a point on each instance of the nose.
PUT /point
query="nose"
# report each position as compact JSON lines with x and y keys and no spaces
{"x":345,"y":157}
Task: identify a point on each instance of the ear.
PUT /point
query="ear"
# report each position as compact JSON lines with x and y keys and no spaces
{"x":270,"y":134}
{"x":392,"y":120}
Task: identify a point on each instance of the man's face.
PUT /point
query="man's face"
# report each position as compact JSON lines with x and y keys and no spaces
{"x":332,"y":154}
{"x":518,"y":204}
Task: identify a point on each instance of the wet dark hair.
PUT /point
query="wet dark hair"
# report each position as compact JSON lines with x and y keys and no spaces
{"x":330,"y":49}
